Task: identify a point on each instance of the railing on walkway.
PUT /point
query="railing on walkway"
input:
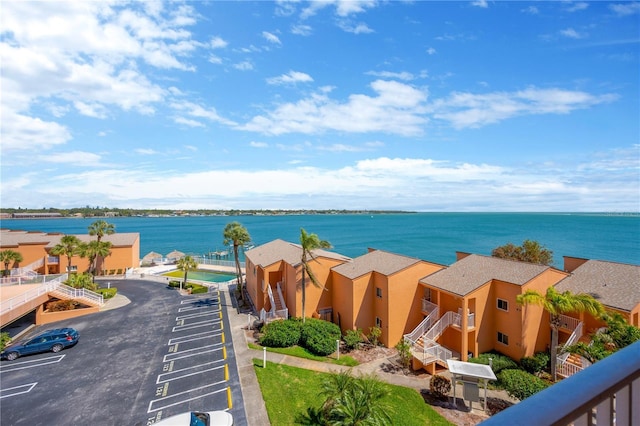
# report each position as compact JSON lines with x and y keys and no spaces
{"x":428,"y":306}
{"x":575,"y":336}
{"x":29,"y":269}
{"x":607,"y":393}
{"x":15,"y":302}
{"x":568,"y":322}
{"x":79,"y":293}
{"x":216,"y":262}
{"x":422,"y":328}
{"x":284,"y":311}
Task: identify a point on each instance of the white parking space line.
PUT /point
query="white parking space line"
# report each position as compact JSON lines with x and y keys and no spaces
{"x":170,"y":401}
{"x":199,"y":314}
{"x":196,"y":336}
{"x":17,"y":390}
{"x":21,"y":365}
{"x":196,"y":325}
{"x":193,"y":352}
{"x":190,"y":371}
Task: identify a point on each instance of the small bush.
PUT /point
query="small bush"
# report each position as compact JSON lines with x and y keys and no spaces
{"x":536,"y":363}
{"x":197,"y":288}
{"x":107,"y":293}
{"x":174,"y":284}
{"x":520,"y":384}
{"x":499,"y":362}
{"x":352,"y":339}
{"x":319,"y":336}
{"x":404,"y":352}
{"x":374,"y":335}
{"x":281,"y":334}
{"x":440,"y":386}
{"x":61,"y":305}
{"x":4,"y":340}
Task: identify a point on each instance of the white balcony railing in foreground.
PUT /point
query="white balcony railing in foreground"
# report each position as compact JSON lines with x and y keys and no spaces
{"x":606,"y":393}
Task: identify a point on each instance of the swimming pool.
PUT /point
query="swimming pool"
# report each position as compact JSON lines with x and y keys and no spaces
{"x":202,"y":275}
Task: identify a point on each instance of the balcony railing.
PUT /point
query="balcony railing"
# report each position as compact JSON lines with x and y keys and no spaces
{"x":606,"y":393}
{"x":428,"y":307}
{"x":568,"y":322}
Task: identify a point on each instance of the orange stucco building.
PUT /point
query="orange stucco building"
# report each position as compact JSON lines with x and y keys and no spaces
{"x":455,"y":311}
{"x":35,"y":248}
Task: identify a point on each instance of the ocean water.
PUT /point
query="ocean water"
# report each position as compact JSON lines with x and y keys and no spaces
{"x":434,"y":237}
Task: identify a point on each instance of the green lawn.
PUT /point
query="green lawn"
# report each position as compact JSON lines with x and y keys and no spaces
{"x":288,"y":391}
{"x":301,"y":352}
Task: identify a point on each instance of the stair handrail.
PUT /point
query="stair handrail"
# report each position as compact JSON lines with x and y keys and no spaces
{"x":575,"y":336}
{"x":423,"y":327}
{"x":80,"y":293}
{"x":281,"y":296}
{"x":14,"y":302}
{"x":438,"y":328}
{"x":271,"y":299}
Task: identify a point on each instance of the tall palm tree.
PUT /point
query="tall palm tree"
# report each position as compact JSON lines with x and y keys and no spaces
{"x":237,"y":234}
{"x":69,"y":246}
{"x":309,"y":243}
{"x":100,"y":228}
{"x":8,"y":257}
{"x":186,"y":264}
{"x":556,"y":303}
{"x":94,"y":250}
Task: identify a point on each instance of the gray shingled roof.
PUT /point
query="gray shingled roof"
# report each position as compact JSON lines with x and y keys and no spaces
{"x":379,"y":261}
{"x":9,"y":238}
{"x":277,"y":250}
{"x":473,"y":271}
{"x":616,"y":285}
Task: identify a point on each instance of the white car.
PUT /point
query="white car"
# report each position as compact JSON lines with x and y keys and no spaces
{"x":198,"y":418}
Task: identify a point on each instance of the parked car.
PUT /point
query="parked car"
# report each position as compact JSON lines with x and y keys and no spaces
{"x":198,"y":418}
{"x":50,"y":340}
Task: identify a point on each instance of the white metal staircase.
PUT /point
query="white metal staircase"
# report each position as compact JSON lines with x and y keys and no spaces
{"x":278,"y":307}
{"x":564,"y":367}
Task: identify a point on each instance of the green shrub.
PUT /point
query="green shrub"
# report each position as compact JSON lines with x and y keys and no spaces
{"x":352,"y":339}
{"x":520,"y":384}
{"x":404,"y":352}
{"x":197,"y":288}
{"x":536,"y":363}
{"x":499,"y":362}
{"x":440,"y":386}
{"x":281,"y":334}
{"x":319,"y":336}
{"x":374,"y":335}
{"x":174,"y":284}
{"x":107,"y":293}
{"x":4,"y":340}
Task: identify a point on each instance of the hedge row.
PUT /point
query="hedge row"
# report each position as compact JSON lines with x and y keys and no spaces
{"x":317,"y":336}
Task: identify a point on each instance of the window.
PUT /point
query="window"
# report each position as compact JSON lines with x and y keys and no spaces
{"x":503,"y":338}
{"x":378,"y":322}
{"x":378,"y":292}
{"x":503,"y":305}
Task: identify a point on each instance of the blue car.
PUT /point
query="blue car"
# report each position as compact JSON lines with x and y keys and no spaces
{"x":50,"y":340}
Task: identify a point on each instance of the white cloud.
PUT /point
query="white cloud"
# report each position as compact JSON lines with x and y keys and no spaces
{"x":624,"y":9}
{"x":360,"y":28}
{"x":532,"y":10}
{"x":188,"y":122}
{"x":292,"y":77}
{"x":218,"y":43}
{"x":470,"y":110}
{"x":145,"y":151}
{"x":198,"y":111}
{"x":301,"y":29}
{"x":480,"y":3}
{"x":577,"y":6}
{"x":571,"y":33}
{"x":396,"y":108}
{"x":243,"y":66}
{"x":431,"y":51}
{"x":343,"y":8}
{"x":271,"y":38}
{"x":255,"y":144}
{"x":406,"y":76}
{"x":77,"y":158}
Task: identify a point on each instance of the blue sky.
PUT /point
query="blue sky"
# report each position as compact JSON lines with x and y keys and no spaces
{"x":427,"y":106}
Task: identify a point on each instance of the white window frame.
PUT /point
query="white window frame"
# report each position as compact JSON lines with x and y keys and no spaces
{"x":506,"y":303}
{"x":504,"y":338}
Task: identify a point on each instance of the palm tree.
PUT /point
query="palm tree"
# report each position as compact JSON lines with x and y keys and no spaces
{"x":94,"y":250}
{"x":186,"y":264}
{"x":556,"y":303}
{"x":69,"y":246}
{"x":7,"y":257}
{"x":237,"y":234}
{"x":100,"y":228}
{"x":309,"y":243}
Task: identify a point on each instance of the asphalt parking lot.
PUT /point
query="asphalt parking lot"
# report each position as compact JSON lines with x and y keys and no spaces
{"x":160,"y":355}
